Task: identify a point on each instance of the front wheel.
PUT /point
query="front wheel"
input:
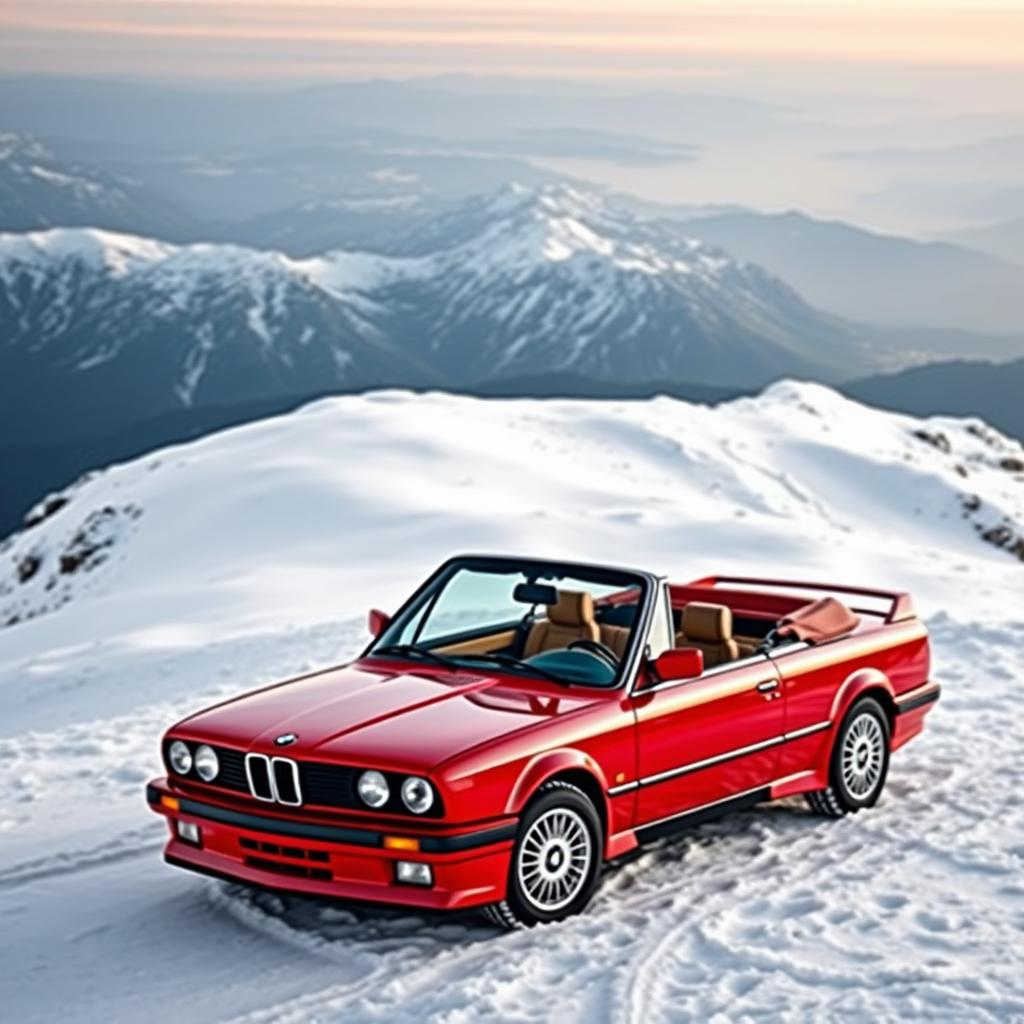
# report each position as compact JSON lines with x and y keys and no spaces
{"x":555,"y":861}
{"x":859,"y":762}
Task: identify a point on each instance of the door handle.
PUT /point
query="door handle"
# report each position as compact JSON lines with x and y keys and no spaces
{"x":768,"y":685}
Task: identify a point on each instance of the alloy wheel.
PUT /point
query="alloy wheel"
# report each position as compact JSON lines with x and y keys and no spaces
{"x":863,"y":756}
{"x":555,"y":859}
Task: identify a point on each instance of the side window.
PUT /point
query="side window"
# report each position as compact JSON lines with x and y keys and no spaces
{"x":661,"y":636}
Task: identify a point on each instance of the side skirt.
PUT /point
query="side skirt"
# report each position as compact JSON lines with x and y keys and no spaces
{"x":912,"y":701}
{"x":700,"y":815}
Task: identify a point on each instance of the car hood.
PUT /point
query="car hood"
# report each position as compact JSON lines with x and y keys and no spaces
{"x":365,"y":714}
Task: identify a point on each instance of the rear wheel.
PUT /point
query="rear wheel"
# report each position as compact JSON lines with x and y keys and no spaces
{"x":556,"y":859}
{"x":859,"y":762}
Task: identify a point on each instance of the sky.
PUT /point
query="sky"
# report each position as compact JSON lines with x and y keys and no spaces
{"x":845,"y":75}
{"x":649,"y":39}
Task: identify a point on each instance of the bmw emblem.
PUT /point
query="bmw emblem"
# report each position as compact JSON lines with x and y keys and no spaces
{"x":286,"y":740}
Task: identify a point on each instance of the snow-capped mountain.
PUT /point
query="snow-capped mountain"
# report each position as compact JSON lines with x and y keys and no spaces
{"x":39,"y":189}
{"x":557,"y":279}
{"x":521,"y":282}
{"x":199,"y":572}
{"x":102,"y":329}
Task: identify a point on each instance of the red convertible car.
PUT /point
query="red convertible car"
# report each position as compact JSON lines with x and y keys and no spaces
{"x":517,"y":723}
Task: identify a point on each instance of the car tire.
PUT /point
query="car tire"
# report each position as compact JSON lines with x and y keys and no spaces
{"x":555,"y":862}
{"x":859,"y":762}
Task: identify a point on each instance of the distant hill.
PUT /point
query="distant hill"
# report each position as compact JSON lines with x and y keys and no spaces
{"x":32,"y":468}
{"x":40,"y":189}
{"x":1004,"y":239}
{"x":992,"y":391}
{"x":874,"y":278}
{"x":371,"y":223}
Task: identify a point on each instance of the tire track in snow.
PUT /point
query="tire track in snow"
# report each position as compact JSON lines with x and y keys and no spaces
{"x":124,"y":847}
{"x":68,"y":782}
{"x":854,"y":889}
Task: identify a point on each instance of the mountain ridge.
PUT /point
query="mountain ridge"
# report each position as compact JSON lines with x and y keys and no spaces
{"x":40,"y":189}
{"x":872,"y":276}
{"x":514,"y":283}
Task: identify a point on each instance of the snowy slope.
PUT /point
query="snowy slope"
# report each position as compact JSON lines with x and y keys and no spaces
{"x":206,"y":569}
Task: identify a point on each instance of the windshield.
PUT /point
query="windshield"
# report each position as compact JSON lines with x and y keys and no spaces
{"x":567,"y":624}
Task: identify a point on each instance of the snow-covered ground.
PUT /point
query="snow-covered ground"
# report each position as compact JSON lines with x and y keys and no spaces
{"x":210,"y":568}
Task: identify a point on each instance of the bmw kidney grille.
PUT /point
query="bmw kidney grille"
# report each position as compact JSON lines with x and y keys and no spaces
{"x":273,"y":779}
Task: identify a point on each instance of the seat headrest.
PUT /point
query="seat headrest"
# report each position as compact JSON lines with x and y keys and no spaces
{"x":573,"y":608}
{"x":709,"y":623}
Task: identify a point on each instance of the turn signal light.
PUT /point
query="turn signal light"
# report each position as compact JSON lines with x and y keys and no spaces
{"x":171,"y":803}
{"x":401,"y":843}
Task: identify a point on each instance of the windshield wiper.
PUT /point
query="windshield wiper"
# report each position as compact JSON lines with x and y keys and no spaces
{"x":414,"y":651}
{"x":511,"y":662}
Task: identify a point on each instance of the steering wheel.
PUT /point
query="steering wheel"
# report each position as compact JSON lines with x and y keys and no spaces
{"x":597,"y":650}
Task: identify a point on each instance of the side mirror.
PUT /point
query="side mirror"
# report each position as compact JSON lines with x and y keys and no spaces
{"x":378,"y":622}
{"x":679,"y":663}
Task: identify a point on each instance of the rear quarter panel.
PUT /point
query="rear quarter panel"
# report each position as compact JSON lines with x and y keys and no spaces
{"x":820,"y":683}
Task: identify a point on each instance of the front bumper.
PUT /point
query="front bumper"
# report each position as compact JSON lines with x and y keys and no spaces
{"x":469,"y":866}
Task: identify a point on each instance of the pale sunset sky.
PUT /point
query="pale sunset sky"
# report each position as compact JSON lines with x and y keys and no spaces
{"x":650,"y":39}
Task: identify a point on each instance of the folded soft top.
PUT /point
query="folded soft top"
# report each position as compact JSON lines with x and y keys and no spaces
{"x":824,"y":619}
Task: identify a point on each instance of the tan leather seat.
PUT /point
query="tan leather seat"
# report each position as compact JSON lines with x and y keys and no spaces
{"x":615,"y":637}
{"x":571,"y":618}
{"x":708,"y":627}
{"x":748,"y":645}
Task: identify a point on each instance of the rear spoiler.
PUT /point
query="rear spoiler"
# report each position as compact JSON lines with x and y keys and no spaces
{"x":900,"y":603}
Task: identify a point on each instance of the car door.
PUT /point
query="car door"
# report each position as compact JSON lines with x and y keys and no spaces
{"x":811,"y":678}
{"x":704,"y":740}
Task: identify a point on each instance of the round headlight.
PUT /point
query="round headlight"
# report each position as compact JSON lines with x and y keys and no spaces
{"x":373,"y":789}
{"x":417,"y":795}
{"x":180,"y":757}
{"x":207,"y":764}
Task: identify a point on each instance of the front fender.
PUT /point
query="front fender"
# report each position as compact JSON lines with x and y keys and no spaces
{"x":854,"y":686}
{"x":545,"y":766}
